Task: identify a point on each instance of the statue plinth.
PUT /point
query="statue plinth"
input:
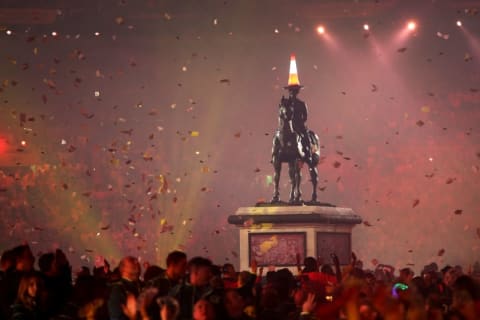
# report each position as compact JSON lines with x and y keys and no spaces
{"x":274,"y":235}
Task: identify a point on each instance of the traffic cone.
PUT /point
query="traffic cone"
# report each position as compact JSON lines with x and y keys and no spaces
{"x":293,"y":81}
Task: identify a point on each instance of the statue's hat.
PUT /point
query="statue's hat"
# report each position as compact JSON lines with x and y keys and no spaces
{"x":293,"y":82}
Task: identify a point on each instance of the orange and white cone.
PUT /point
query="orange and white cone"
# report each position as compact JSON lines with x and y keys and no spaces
{"x":293,"y":74}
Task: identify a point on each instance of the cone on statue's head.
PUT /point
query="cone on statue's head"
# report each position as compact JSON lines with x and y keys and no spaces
{"x":293,"y":82}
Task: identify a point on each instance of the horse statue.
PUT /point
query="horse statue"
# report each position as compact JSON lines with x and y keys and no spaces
{"x":288,"y":147}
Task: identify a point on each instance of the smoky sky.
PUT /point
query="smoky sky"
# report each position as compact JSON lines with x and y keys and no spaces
{"x":146,"y":123}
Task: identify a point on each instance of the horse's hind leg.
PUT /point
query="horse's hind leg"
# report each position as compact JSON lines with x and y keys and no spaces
{"x":294,"y":177}
{"x":314,"y":177}
{"x":277,"y":165}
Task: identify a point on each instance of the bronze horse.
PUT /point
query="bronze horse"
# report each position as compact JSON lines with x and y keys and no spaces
{"x":288,"y":147}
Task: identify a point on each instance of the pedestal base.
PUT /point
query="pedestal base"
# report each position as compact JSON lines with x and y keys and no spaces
{"x":274,"y":235}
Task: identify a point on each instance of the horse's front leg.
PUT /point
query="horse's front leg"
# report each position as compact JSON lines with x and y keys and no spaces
{"x":277,"y":166}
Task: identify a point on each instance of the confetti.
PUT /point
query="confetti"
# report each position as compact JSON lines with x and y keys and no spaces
{"x":443,"y":35}
{"x":401,"y":50}
{"x":420,"y":123}
{"x":425,"y":109}
{"x":336,"y":164}
{"x":415,"y":203}
{"x":441,"y":252}
{"x":458,"y":211}
{"x":119,"y":20}
{"x":450,"y":180}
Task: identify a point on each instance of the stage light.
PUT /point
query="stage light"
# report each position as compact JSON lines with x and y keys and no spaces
{"x":23,"y":143}
{"x":320,"y":29}
{"x":411,"y":25}
{"x":366,"y":27}
{"x":459,"y":23}
{"x":9,"y":32}
{"x":3,"y":145}
{"x":54,"y":34}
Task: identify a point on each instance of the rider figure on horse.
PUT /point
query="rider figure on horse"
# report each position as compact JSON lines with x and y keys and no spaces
{"x":299,"y":119}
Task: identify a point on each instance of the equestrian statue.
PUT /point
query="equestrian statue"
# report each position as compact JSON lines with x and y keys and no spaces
{"x":293,"y":142}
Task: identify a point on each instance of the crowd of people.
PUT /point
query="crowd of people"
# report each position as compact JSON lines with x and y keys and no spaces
{"x":197,"y":289}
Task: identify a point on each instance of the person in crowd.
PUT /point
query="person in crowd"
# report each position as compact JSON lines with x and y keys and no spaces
{"x":187,"y":294}
{"x":23,"y":262}
{"x":169,"y":308}
{"x":204,"y":310}
{"x":152,"y":272}
{"x":229,"y":276}
{"x":57,"y":277}
{"x":176,"y":268}
{"x":235,"y":305}
{"x":27,"y":305}
{"x":164,"y":281}
{"x":129,"y":284}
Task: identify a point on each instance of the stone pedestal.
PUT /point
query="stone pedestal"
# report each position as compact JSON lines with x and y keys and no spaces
{"x":274,"y":235}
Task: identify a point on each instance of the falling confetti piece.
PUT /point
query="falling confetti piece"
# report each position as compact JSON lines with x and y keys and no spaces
{"x":374,"y":262}
{"x":425,"y":109}
{"x":443,"y":35}
{"x":467,"y":57}
{"x":401,"y":50}
{"x":420,"y":123}
{"x":450,"y":180}
{"x":368,"y":224}
{"x":234,"y":253}
{"x":194,"y":133}
{"x":119,"y":20}
{"x":226,"y":81}
{"x":458,"y":211}
{"x":415,"y":203}
{"x":441,"y":252}
{"x":336,"y":164}
{"x":478,"y":233}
